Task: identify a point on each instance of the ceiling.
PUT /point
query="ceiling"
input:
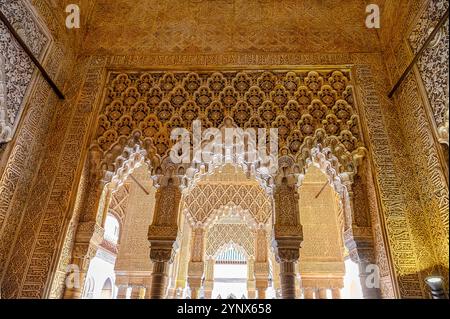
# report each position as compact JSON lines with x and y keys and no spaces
{"x":127,"y":27}
{"x":141,"y":27}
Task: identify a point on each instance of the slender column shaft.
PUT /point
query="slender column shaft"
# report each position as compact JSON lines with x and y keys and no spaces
{"x":261,"y":287}
{"x":209,"y":278}
{"x":148,"y":291}
{"x":336,"y":293}
{"x":261,"y":293}
{"x":194,"y":293}
{"x":287,"y":278}
{"x":195,"y":284}
{"x":208,"y":294}
{"x":159,"y":280}
{"x":322,"y":293}
{"x":122,"y":292}
{"x":135,"y":292}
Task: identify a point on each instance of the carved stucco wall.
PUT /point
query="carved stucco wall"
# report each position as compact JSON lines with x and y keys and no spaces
{"x":433,"y":64}
{"x":420,"y":106}
{"x":20,"y":164}
{"x":227,"y":191}
{"x":16,"y":68}
{"x":232,"y":232}
{"x":134,"y":249}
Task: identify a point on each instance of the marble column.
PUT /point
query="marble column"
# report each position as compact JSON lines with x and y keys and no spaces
{"x":195,"y":284}
{"x":89,"y":234}
{"x":171,"y":279}
{"x":261,"y":265}
{"x":88,"y":238}
{"x":159,"y":279}
{"x":322,"y":293}
{"x":135,"y":292}
{"x":181,"y":279}
{"x":298,"y":286}
{"x":276,"y":278}
{"x":360,"y":248}
{"x":122,"y":291}
{"x":287,"y":279}
{"x":148,"y":287}
{"x":358,"y":236}
{"x":335,"y":293}
{"x":261,"y":287}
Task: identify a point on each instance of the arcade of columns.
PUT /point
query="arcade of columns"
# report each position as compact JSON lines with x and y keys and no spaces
{"x":317,"y":124}
{"x":224,"y":226}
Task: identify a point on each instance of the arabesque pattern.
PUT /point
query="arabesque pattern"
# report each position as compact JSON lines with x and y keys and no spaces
{"x":202,"y":200}
{"x":221,"y":235}
{"x":298,"y":103}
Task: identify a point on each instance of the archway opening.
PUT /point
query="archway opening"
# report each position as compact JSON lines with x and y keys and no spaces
{"x":101,"y":267}
{"x":123,"y":255}
{"x":230,"y":273}
{"x":107,"y":290}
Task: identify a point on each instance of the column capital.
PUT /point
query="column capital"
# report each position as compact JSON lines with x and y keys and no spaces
{"x":162,"y":251}
{"x":288,"y":253}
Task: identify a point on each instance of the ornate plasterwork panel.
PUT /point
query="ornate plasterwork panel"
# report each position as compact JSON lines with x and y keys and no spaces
{"x":402,"y":242}
{"x":119,"y":201}
{"x":227,"y":174}
{"x":203,"y":200}
{"x":16,"y":68}
{"x":37,"y":232}
{"x":221,"y":235}
{"x":433,"y":63}
{"x":429,"y":17}
{"x":218,"y":26}
{"x":307,"y":107}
